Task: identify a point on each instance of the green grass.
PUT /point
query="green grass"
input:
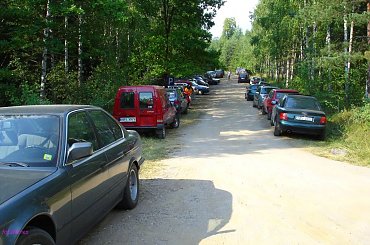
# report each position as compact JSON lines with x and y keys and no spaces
{"x":349,"y":134}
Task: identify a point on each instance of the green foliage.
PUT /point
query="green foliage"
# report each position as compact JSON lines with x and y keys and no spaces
{"x":27,"y":94}
{"x":120,"y":43}
{"x":349,"y":130}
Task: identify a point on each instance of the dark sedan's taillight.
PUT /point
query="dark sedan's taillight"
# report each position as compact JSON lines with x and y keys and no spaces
{"x":283,"y":116}
{"x":323,"y":120}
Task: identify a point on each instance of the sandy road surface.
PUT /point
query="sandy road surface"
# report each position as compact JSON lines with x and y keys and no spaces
{"x":233,"y":182}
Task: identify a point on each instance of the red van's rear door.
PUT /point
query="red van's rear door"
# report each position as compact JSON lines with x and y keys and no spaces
{"x":128,"y":111}
{"x":147,"y":113}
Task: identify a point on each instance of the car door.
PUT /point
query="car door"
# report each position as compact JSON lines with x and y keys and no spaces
{"x":117,"y":149}
{"x":146,"y":109}
{"x":88,"y":175}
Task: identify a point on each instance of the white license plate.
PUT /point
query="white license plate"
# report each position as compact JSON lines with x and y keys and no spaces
{"x":127,"y":119}
{"x":302,"y":118}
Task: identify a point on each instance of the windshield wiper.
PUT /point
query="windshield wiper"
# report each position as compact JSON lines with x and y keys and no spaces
{"x":11,"y":164}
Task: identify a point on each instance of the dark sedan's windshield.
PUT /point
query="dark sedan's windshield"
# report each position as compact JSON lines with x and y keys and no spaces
{"x":29,"y":139}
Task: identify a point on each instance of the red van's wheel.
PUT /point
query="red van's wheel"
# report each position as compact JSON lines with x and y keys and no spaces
{"x":161,"y":133}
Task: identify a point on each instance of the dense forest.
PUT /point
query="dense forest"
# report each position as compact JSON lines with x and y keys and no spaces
{"x":72,"y":51}
{"x":320,"y":47}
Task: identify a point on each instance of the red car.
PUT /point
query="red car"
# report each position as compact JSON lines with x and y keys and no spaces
{"x":145,"y":108}
{"x":275,"y":95}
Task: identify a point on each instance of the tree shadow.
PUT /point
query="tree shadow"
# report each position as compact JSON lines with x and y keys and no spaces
{"x":170,"y":211}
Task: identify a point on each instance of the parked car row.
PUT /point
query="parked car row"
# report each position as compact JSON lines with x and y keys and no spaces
{"x":288,"y":110}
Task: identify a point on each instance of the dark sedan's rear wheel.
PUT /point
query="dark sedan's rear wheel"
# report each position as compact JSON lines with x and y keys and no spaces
{"x":161,"y":133}
{"x":33,"y":235}
{"x":263,"y":110}
{"x":277,"y":130}
{"x":131,"y":192}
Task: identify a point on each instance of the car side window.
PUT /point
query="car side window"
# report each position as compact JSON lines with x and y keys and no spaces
{"x":127,"y":100}
{"x":105,"y":131}
{"x":81,"y":130}
{"x":146,"y":100}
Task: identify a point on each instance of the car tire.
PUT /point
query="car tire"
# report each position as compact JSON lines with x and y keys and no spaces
{"x":176,"y":122}
{"x":186,"y":110}
{"x":35,"y":236}
{"x":277,"y":130}
{"x":263,"y":111}
{"x":161,"y":133}
{"x":130,"y":197}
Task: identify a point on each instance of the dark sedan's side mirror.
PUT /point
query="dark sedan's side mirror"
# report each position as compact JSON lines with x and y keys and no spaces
{"x":273,"y":102}
{"x":79,"y":150}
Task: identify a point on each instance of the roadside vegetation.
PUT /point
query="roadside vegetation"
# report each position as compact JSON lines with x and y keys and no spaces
{"x":348,"y":137}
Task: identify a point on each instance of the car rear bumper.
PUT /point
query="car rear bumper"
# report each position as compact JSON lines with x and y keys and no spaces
{"x":312,"y":129}
{"x":138,"y":128}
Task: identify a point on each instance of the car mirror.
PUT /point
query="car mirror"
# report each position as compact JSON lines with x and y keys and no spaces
{"x":79,"y":150}
{"x":273,"y":102}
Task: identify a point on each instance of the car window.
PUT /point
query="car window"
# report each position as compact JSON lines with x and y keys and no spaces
{"x":302,"y":103}
{"x":80,"y":130}
{"x":281,"y":95}
{"x":103,"y":126}
{"x":29,"y":139}
{"x":146,"y":100}
{"x":127,"y":100}
{"x":171,"y":94}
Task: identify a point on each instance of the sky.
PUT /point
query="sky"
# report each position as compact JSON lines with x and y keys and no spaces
{"x":239,"y":9}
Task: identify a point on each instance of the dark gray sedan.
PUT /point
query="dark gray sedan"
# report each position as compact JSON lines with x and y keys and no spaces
{"x":62,"y":169}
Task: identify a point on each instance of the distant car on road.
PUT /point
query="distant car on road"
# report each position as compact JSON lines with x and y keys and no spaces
{"x":260,"y":95}
{"x":63,"y":168}
{"x":250,"y":91}
{"x":176,"y":97}
{"x":299,"y":114}
{"x":243,"y":77}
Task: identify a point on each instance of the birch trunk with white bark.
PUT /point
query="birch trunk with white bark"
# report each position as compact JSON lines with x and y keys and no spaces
{"x":45,"y":53}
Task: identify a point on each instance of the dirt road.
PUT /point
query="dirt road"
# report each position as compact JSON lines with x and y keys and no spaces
{"x":233,"y":182}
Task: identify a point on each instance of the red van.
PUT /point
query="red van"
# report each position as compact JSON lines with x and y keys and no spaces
{"x":144,"y":108}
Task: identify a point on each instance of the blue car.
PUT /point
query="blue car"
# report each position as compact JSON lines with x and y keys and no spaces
{"x":200,"y":88}
{"x":62,"y":169}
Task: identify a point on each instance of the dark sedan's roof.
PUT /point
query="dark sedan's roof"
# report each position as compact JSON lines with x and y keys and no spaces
{"x":42,"y":109}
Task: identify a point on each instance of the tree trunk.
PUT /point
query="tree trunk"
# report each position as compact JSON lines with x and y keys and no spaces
{"x":80,"y":65}
{"x":45,"y":53}
{"x":66,"y":45}
{"x":345,"y":39}
{"x":368,"y":68}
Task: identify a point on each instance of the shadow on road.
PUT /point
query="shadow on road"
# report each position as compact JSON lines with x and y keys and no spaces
{"x":228,"y":125}
{"x":170,"y":211}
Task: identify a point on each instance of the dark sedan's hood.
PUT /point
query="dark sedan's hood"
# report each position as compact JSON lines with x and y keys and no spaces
{"x":13,"y":181}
